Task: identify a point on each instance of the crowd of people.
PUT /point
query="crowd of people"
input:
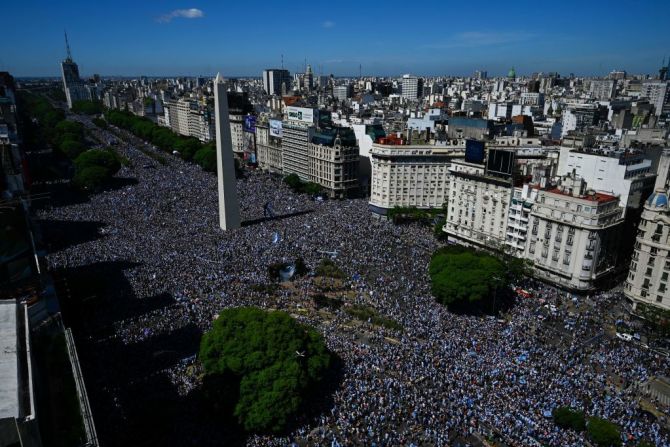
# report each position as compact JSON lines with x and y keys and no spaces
{"x":442,"y":377}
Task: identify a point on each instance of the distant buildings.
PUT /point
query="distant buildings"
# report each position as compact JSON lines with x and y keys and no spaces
{"x":276,"y":81}
{"x":658,"y":93}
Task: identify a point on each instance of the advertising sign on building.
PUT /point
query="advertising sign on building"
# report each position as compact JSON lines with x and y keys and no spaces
{"x":249,"y":124}
{"x":301,"y":114}
{"x":276,"y":129}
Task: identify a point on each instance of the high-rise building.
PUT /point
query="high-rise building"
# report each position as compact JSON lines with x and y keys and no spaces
{"x":276,"y":81}
{"x":341,"y":92}
{"x":72,"y":85}
{"x":658,"y":93}
{"x":412,"y":87}
{"x":229,"y":208}
{"x":308,"y":80}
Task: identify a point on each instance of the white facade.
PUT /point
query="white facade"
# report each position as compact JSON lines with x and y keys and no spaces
{"x":478,"y":206}
{"x":409,"y":176}
{"x":229,"y":208}
{"x":627,"y":176}
{"x":574,"y":234}
{"x":410,"y":87}
{"x":647,"y":281}
{"x":189,"y":118}
{"x":658,"y":93}
{"x":603,"y":89}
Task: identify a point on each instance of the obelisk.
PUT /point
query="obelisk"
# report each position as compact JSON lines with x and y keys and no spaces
{"x":229,"y":209}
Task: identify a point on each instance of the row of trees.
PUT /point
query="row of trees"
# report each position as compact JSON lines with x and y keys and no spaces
{"x":262,"y":367}
{"x":87,"y":107}
{"x":47,"y":125}
{"x":189,"y":148}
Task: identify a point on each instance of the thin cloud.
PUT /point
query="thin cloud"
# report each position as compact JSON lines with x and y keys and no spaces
{"x":475,"y":39}
{"x":328,"y":24}
{"x":191,"y":13}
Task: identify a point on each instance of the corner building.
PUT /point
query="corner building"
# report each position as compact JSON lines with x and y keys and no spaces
{"x":647,"y":282}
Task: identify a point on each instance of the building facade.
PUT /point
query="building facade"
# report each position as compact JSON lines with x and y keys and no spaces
{"x":333,"y":161}
{"x":574,"y":234}
{"x":276,"y":81}
{"x":409,"y":176}
{"x":189,"y":118}
{"x":647,"y":281}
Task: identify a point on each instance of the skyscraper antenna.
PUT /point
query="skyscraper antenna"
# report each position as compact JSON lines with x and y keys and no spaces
{"x":67,"y":47}
{"x":282,"y":61}
{"x":360,"y":71}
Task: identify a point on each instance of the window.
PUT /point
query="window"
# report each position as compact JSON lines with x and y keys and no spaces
{"x":664,"y":276}
{"x":648,"y":272}
{"x":569,"y":241}
{"x":554,"y":257}
{"x":659,"y":298}
{"x":661,"y":287}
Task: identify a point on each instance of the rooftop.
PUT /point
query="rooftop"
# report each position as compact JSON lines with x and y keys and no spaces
{"x":9,"y":379}
{"x":595,"y":197}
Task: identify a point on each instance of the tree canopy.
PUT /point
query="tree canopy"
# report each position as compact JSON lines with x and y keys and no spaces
{"x":460,"y":274}
{"x":95,"y":168}
{"x":603,"y":433}
{"x":87,"y":107}
{"x":269,"y":363}
{"x":568,"y":418}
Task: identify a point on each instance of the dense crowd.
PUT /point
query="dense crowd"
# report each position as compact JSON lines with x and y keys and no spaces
{"x":445,"y":376}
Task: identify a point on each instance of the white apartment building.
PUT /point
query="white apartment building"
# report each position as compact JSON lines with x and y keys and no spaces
{"x":341,"y":92}
{"x":268,"y":149}
{"x":622,"y":173}
{"x":658,"y":93}
{"x":647,"y":281}
{"x":602,"y":89}
{"x":411,"y":87}
{"x":237,"y":133}
{"x":532,"y":99}
{"x":478,"y":206}
{"x":295,"y":144}
{"x":189,"y":118}
{"x":409,"y":176}
{"x":574,"y":234}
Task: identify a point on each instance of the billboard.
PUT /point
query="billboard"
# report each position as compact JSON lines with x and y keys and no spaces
{"x":249,"y":124}
{"x":474,"y":151}
{"x":276,"y":129}
{"x":301,"y":114}
{"x":500,"y":162}
{"x":249,"y":147}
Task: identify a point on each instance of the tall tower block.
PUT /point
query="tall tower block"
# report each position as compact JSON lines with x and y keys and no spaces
{"x":229,"y":208}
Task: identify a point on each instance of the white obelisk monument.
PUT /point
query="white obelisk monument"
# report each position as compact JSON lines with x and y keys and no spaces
{"x":229,"y":209}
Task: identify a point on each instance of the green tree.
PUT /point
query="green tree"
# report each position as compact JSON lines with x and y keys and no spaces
{"x":103,"y":158}
{"x":71,"y":148}
{"x":568,"y":418}
{"x":294,"y":182}
{"x":271,"y":364}
{"x":187,"y":147}
{"x":603,"y":432}
{"x":91,"y":178}
{"x":71,"y":127}
{"x":206,"y":158}
{"x":460,"y":275}
{"x":87,"y":107}
{"x":101,"y":123}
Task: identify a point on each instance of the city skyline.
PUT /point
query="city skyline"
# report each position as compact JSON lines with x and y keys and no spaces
{"x":142,"y":39}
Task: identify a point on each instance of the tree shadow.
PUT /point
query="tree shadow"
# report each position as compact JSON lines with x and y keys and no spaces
{"x":250,"y":222}
{"x":503,"y":303}
{"x":61,"y":234}
{"x":56,"y":195}
{"x":116,"y":183}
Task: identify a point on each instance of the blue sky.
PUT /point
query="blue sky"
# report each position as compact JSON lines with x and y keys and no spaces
{"x":238,"y":38}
